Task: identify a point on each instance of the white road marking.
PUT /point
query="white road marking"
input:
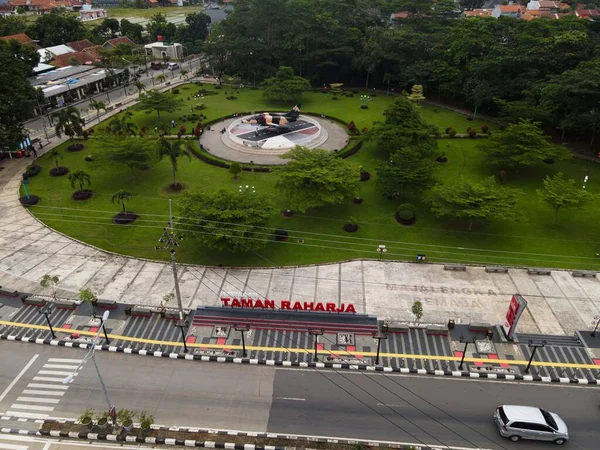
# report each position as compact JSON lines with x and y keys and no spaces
{"x":59,"y":366}
{"x":47,"y":446}
{"x":55,"y":380}
{"x":26,"y":415}
{"x":391,"y":406}
{"x":38,"y":400}
{"x":12,"y":447}
{"x":51,"y":393}
{"x":54,"y":372}
{"x":18,"y":377}
{"x":33,"y":407}
{"x":294,"y":399}
{"x":63,"y":360}
{"x":48,"y":386}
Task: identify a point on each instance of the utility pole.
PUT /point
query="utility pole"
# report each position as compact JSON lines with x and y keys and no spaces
{"x":169,"y":240}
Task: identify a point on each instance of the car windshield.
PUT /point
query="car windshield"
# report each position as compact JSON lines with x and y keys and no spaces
{"x":503,"y":415}
{"x":549,"y":419}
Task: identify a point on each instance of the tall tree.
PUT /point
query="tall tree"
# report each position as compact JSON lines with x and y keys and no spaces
{"x":228,"y":220}
{"x":68,"y":121}
{"x":79,"y":177}
{"x":284,"y":86}
{"x":315,"y":178}
{"x":559,"y":193}
{"x":121,"y":197}
{"x":154,"y":100}
{"x":521,"y":144}
{"x":406,"y":171}
{"x":132,"y":30}
{"x":56,"y":28}
{"x":122,"y":125}
{"x":474,"y":201}
{"x":97,"y":105}
{"x":133,"y":153}
{"x":173,"y":150}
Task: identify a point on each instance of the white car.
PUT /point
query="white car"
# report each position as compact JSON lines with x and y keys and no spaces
{"x":526,"y":422}
{"x":173,"y":66}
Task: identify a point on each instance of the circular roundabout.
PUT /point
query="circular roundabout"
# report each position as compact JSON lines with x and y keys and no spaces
{"x":262,"y":138}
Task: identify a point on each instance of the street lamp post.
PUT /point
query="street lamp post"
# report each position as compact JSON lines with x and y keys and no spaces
{"x":169,"y":240}
{"x":46,"y":311}
{"x":381,"y":250}
{"x":535,"y":347}
{"x":316,"y":334}
{"x":379,"y":336}
{"x":462,"y":341}
{"x":242,"y":329}
{"x":586,"y":178}
{"x":90,"y":354}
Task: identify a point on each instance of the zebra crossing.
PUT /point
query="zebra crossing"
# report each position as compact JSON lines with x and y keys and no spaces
{"x":43,"y":394}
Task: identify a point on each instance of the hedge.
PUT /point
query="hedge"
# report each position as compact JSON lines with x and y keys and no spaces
{"x":208,"y":158}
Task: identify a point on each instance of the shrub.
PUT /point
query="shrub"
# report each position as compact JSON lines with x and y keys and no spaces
{"x":452,"y":132}
{"x":406,"y":217}
{"x":352,"y":127}
{"x":469,"y":129}
{"x":472,"y":132}
{"x":218,"y":86}
{"x":503,"y":127}
{"x":447,"y":130}
{"x":182,"y":129}
{"x":365,"y":130}
{"x":501,"y":176}
{"x":407,"y":207}
{"x":175,"y":91}
{"x":281,"y":235}
{"x":485,"y":128}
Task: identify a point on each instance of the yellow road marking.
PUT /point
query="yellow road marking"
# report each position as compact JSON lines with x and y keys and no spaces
{"x":310,"y":351}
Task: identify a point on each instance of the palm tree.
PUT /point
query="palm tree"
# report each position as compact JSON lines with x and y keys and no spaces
{"x":49,"y":281}
{"x":69,"y":122}
{"x":161,"y":78}
{"x":122,"y":125}
{"x":79,"y":177}
{"x":97,"y":105}
{"x":55,"y":155}
{"x":184,"y":73}
{"x":140,"y":87}
{"x":172,"y":149}
{"x":121,"y":197}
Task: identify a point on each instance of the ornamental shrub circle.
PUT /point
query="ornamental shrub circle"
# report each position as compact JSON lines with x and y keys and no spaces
{"x":406,"y":215}
{"x":407,"y":207}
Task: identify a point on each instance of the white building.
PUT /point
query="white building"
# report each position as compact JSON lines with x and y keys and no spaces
{"x":158,"y":50}
{"x":87,"y":13}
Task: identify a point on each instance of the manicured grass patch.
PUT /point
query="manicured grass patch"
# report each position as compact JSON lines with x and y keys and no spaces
{"x":318,"y":235}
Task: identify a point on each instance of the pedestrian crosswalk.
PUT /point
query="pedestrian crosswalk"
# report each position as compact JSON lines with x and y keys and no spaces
{"x":43,"y":394}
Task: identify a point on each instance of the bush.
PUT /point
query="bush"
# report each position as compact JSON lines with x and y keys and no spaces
{"x":352,"y":129}
{"x":218,"y":86}
{"x":365,"y":130}
{"x":485,"y":128}
{"x":182,"y":129}
{"x":406,"y":217}
{"x":472,"y":133}
{"x":503,"y":127}
{"x":447,"y":130}
{"x":281,"y":235}
{"x":452,"y":132}
{"x":469,"y":129}
{"x":175,"y":91}
{"x":407,"y":207}
{"x":75,"y":147}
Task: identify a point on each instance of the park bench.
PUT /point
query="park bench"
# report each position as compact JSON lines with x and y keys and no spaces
{"x":496,"y":269}
{"x":538,"y":272}
{"x":455,"y":267}
{"x":584,"y":274}
{"x":438,"y":330}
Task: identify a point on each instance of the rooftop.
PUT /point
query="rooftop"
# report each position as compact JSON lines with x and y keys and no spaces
{"x":21,"y":37}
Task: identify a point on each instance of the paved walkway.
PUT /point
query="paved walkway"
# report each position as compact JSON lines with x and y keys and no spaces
{"x":558,"y":303}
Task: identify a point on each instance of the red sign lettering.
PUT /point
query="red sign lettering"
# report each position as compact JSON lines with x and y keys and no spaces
{"x":287,"y":305}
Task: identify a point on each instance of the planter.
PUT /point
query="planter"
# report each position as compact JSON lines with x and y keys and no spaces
{"x":288,"y":213}
{"x":137,"y":311}
{"x":364,"y":106}
{"x":75,"y":147}
{"x":441,"y":159}
{"x":58,"y":171}
{"x":358,"y":200}
{"x":548,"y":161}
{"x":106,"y":304}
{"x":125,"y":217}
{"x":351,"y":227}
{"x":405,"y":221}
{"x":365,"y":176}
{"x":103,"y":424}
{"x":84,"y":194}
{"x":89,"y":158}
{"x":128,"y":426}
{"x":32,"y":172}
{"x":127,"y":310}
{"x":32,"y":301}
{"x":87,"y":423}
{"x":32,"y":200}
{"x":66,"y":305}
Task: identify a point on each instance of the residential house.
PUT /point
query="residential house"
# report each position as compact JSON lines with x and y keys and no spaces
{"x":112,"y":43}
{"x":507,"y":11}
{"x":553,"y":7}
{"x":7,"y":10}
{"x":160,"y":50}
{"x":49,"y":53}
{"x":79,"y":46}
{"x":479,"y":13}
{"x":21,"y":38}
{"x":72,"y":59}
{"x":88,"y":13}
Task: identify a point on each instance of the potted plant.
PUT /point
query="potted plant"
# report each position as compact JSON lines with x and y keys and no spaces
{"x":146,"y":421}
{"x":103,"y":422}
{"x":125,"y":418}
{"x":86,"y":419}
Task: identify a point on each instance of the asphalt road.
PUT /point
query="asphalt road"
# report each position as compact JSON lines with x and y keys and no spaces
{"x":256,"y":398}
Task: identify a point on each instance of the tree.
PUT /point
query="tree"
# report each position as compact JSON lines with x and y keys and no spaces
{"x":161,"y":78}
{"x":316,"y":178}
{"x":159,"y":101}
{"x":134,"y":153}
{"x":184,"y":73}
{"x":68,"y":121}
{"x":17,"y":96}
{"x":132,"y":30}
{"x":140,"y":86}
{"x":417,"y":310}
{"x":122,"y":125}
{"x":173,"y":150}
{"x":122,"y":197}
{"x":474,"y":201}
{"x":228,"y":220}
{"x":559,"y":193}
{"x":235,"y":170}
{"x":522,"y":144}
{"x":97,"y":106}
{"x":285,"y":86}
{"x":79,"y":177}
{"x":406,"y":171}
{"x":404,"y":128}
{"x":56,"y":28}
{"x":55,"y":155}
{"x":11,"y":25}
{"x":416,"y":93}
{"x":87,"y":296}
{"x":49,"y":281}
{"x":159,"y":26}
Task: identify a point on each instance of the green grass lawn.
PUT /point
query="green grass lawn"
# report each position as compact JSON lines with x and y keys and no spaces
{"x":573,"y":242}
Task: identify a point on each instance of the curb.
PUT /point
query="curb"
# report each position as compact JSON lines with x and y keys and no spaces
{"x":209,"y":444}
{"x":314,"y":365}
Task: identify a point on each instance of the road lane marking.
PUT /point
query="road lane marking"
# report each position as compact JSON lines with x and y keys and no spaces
{"x":53,"y":380}
{"x":65,"y":360}
{"x":47,"y":386}
{"x":26,"y":415}
{"x":310,"y":351}
{"x":32,"y":407}
{"x":18,"y":377}
{"x":294,"y":399}
{"x":51,"y":393}
{"x":54,"y":372}
{"x":38,"y":400}
{"x":13,"y":447}
{"x":59,"y":366}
